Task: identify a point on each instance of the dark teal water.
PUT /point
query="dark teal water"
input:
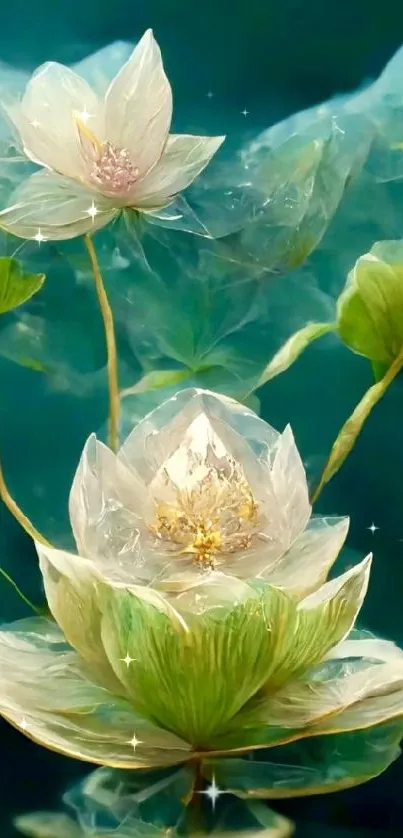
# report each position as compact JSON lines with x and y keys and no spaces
{"x":272,"y":59}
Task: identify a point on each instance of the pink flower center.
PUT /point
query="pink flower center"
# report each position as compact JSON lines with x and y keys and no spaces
{"x":113,"y":171}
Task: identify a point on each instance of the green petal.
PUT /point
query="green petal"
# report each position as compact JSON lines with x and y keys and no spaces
{"x":311,"y":766}
{"x":192,"y":678}
{"x":45,"y":691}
{"x":71,"y":591}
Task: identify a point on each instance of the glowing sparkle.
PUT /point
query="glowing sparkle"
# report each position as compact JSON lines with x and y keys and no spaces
{"x":92,"y":210}
{"x":24,"y":724}
{"x":373,"y":528}
{"x":210,"y":94}
{"x":213,"y":792}
{"x":244,"y":112}
{"x":85,"y":116}
{"x":39,"y":237}
{"x":135,"y":742}
{"x":35,"y":123}
{"x":127,"y":660}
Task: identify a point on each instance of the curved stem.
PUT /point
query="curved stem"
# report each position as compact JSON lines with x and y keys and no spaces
{"x":18,"y":514}
{"x":351,"y":429}
{"x":112,"y":361}
{"x":20,"y":593}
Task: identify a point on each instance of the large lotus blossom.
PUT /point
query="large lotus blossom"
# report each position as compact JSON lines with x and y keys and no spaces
{"x":100,"y":155}
{"x":196,"y":622}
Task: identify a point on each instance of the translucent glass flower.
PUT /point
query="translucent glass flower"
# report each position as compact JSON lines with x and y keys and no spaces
{"x":196,"y":623}
{"x":101,"y":156}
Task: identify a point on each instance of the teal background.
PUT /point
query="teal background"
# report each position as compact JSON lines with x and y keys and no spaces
{"x":272,"y":59}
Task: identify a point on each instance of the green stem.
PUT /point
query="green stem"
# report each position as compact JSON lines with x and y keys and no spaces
{"x":20,"y":593}
{"x":18,"y":514}
{"x":112,"y":360}
{"x":351,"y":429}
{"x":194,"y":820}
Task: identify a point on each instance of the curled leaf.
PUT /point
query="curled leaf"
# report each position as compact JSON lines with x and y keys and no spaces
{"x":293,"y":348}
{"x":16,"y":287}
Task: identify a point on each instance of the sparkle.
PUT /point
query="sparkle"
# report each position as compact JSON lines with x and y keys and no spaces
{"x":213,"y":792}
{"x":35,"y":123}
{"x":210,"y":94}
{"x":373,"y":528}
{"x":24,"y":723}
{"x":92,"y":211}
{"x":85,"y":116}
{"x":127,"y":660}
{"x":39,"y":237}
{"x":244,"y":112}
{"x":135,"y":742}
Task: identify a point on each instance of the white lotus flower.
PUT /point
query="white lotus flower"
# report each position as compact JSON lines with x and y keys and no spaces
{"x":100,"y":156}
{"x":202,"y":488}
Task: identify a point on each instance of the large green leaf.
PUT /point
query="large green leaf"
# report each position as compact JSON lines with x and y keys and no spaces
{"x":16,"y":287}
{"x":370,"y":309}
{"x":293,"y":348}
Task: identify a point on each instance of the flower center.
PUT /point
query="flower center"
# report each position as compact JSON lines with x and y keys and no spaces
{"x":218,"y":515}
{"x":113,"y":170}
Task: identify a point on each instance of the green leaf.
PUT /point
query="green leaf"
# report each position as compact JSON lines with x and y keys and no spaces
{"x":370,"y":309}
{"x":293,"y":348}
{"x":15,"y":286}
{"x":351,"y":429}
{"x":156,"y":379}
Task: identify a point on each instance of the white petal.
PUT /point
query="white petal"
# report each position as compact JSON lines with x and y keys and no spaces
{"x":46,"y":118}
{"x":138,"y":105}
{"x":355,"y":581}
{"x":290,"y":486}
{"x":185,"y":156}
{"x":45,"y":692}
{"x":54,"y":207}
{"x":368,"y":648}
{"x":306,"y":564}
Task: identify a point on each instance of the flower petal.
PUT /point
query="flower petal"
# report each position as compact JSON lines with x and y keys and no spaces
{"x":45,"y":692}
{"x":184,"y":157}
{"x":70,"y":587}
{"x":54,"y":207}
{"x":47,"y":825}
{"x":46,"y":118}
{"x":304,"y":567}
{"x":193,"y":677}
{"x":106,"y":501}
{"x":290,"y":485}
{"x":138,"y":105}
{"x":314,"y":766}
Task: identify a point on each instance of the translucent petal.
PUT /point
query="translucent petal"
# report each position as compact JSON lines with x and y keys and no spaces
{"x":310,"y":701}
{"x":138,"y":105}
{"x":304,"y":567}
{"x":184,"y":157}
{"x":290,"y":486}
{"x":196,"y":436}
{"x":313,"y":766}
{"x":45,"y":692}
{"x":46,"y":118}
{"x":106,"y":504}
{"x":369,"y":648}
{"x":48,"y":825}
{"x":70,"y":587}
{"x":55,"y":208}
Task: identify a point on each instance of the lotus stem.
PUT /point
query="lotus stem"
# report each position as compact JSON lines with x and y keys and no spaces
{"x":110,"y":339}
{"x":18,"y":514}
{"x":194,"y":821}
{"x":348,"y":435}
{"x":18,"y":591}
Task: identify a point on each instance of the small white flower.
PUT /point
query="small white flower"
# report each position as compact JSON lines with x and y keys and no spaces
{"x":112,"y":154}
